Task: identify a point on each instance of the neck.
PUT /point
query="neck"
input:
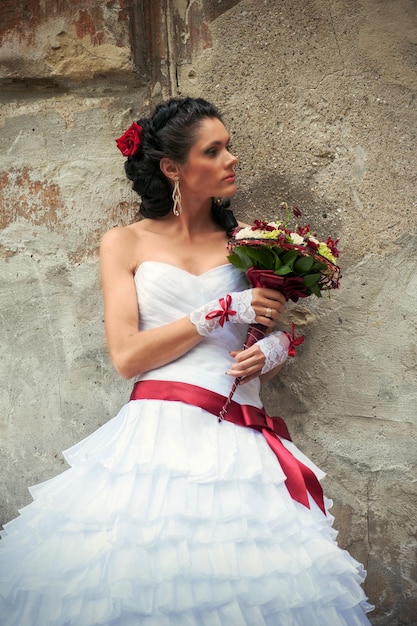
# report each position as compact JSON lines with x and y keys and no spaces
{"x":195,"y":217}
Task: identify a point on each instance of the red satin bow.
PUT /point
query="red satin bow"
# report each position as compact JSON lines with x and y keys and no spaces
{"x":224,"y":312}
{"x":293,"y":341}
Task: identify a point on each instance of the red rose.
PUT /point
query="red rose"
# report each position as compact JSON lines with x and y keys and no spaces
{"x":129,"y":142}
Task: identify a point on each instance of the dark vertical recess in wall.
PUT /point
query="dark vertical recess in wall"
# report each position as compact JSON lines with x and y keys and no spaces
{"x":165,"y":34}
{"x":149,"y":26}
{"x":138,"y":38}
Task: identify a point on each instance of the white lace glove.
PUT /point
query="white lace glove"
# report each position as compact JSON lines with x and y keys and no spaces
{"x":234,"y":307}
{"x":275,"y":348}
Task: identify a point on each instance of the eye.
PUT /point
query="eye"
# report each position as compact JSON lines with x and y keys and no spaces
{"x":212,"y":152}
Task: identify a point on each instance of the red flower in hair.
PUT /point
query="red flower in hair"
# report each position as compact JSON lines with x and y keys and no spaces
{"x":129,"y":142}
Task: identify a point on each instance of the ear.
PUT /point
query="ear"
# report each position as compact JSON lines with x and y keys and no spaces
{"x":169,"y":168}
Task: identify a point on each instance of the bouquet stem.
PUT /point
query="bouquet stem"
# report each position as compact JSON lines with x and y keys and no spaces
{"x":255,"y":332}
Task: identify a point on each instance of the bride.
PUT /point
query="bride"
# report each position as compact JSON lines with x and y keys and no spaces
{"x":168,"y":515}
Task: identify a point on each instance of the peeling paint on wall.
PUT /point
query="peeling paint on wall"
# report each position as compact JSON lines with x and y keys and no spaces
{"x":36,"y":201}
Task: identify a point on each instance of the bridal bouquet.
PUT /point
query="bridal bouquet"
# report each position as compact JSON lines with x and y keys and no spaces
{"x":293,"y":261}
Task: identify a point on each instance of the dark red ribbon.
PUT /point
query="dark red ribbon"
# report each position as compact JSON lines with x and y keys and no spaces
{"x":293,"y":341}
{"x":292,"y":287}
{"x":300,"y":479}
{"x":224,"y":312}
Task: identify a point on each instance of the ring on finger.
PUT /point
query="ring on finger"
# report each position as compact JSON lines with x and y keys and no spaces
{"x":268,"y":312}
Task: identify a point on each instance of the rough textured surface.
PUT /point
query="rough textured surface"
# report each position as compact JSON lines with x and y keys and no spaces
{"x":62,"y":40}
{"x":320,"y":97}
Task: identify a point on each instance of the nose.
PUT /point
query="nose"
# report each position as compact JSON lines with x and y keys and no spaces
{"x":232,"y":160}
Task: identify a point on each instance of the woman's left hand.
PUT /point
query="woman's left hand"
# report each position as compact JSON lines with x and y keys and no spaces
{"x":248,"y":364}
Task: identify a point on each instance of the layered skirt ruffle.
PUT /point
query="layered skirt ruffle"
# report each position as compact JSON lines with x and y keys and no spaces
{"x":168,"y":518}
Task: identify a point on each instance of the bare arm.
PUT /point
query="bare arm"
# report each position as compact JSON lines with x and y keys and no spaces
{"x":133,"y":352}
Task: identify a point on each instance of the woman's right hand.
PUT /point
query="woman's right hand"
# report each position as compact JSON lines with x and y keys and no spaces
{"x":260,"y":305}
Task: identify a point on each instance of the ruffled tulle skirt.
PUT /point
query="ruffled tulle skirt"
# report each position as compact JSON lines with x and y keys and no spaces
{"x":168,"y":518}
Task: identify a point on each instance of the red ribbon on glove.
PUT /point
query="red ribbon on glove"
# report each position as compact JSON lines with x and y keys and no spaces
{"x":300,"y":479}
{"x":224,"y":312}
{"x":293,"y":341}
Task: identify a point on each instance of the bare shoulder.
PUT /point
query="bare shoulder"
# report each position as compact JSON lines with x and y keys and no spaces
{"x":117,"y":245}
{"x":119,"y":236}
{"x":125,"y":245}
{"x":122,"y":238}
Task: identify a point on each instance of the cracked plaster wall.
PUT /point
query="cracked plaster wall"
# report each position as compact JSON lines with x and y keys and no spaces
{"x":320,"y":97}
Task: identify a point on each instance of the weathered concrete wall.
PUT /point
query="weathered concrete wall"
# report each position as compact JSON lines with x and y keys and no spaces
{"x":321,"y":99}
{"x":67,"y":89}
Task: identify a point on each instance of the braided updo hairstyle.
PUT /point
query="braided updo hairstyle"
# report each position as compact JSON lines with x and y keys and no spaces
{"x":170,"y":132}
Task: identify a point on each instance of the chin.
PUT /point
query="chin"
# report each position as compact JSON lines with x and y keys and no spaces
{"x":230,"y":191}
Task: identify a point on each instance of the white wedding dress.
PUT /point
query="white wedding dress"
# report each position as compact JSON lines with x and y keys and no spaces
{"x":167,"y":517}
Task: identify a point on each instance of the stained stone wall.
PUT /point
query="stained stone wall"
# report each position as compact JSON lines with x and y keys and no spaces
{"x":320,"y":97}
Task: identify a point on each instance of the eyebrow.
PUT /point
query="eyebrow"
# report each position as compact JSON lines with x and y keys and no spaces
{"x":217,"y":142}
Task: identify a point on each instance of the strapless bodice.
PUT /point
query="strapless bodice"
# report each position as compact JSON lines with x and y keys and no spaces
{"x":165,"y":294}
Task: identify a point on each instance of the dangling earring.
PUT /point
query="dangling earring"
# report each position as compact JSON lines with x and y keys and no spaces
{"x":176,"y":198}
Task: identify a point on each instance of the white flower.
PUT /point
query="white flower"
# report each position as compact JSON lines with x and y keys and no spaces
{"x":297,"y":239}
{"x":257,"y":234}
{"x":314,"y":240}
{"x":245,"y":233}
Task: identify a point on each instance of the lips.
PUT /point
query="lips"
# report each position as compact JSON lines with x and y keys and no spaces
{"x":230,"y":178}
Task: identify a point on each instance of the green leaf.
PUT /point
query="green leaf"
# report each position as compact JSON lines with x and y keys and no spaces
{"x":318,"y":266}
{"x":311,"y":279}
{"x":303,"y":265}
{"x":244,"y":253}
{"x":277,"y":263}
{"x":315,"y":289}
{"x":245,"y":257}
{"x":289,"y":258}
{"x":282,"y":271}
{"x":237,"y":261}
{"x":262,"y":256}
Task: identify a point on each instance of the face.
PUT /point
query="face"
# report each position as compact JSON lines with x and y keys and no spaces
{"x":209,"y":169}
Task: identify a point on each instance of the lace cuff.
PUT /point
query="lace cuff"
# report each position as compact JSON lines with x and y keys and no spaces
{"x":275,"y":348}
{"x":235,"y":307}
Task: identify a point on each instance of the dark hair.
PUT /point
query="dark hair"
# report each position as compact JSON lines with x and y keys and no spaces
{"x":170,"y":132}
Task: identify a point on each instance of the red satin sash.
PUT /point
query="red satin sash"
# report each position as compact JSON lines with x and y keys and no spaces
{"x":300,"y":480}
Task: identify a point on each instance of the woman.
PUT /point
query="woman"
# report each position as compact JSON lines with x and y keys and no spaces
{"x":168,"y":515}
